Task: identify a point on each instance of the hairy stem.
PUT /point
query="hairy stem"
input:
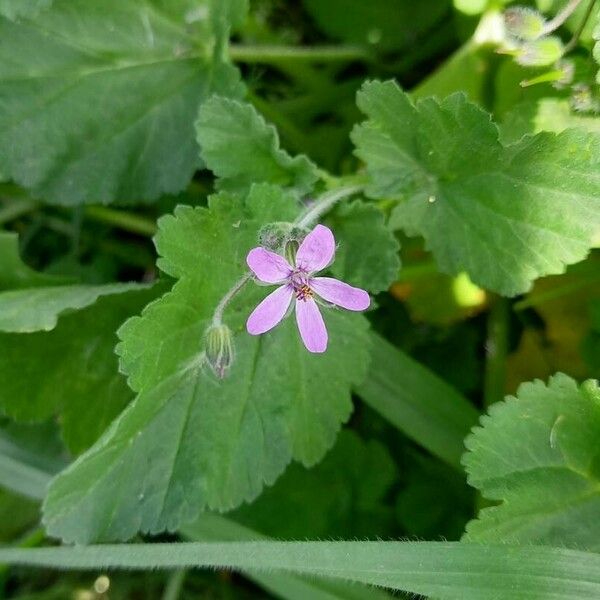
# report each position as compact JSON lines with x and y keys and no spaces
{"x":573,"y":41}
{"x":561,"y":17}
{"x":228,"y":297}
{"x":325,"y":203}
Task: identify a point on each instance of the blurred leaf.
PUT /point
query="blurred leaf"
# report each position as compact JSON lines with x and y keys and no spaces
{"x":538,"y":454}
{"x":498,"y":213}
{"x":226,"y":124}
{"x":591,"y":343}
{"x":420,"y":404}
{"x":189,"y":440}
{"x":72,"y":370}
{"x":99,"y":96}
{"x":383,"y":24}
{"x":15,"y":9}
{"x":340,"y":497}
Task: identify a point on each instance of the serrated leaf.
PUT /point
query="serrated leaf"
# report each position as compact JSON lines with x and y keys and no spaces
{"x":368,"y":256}
{"x":341,"y":496}
{"x":538,"y":454}
{"x":71,"y":371}
{"x":241,"y":148}
{"x":504,"y":214}
{"x":190,"y":441}
{"x":98,"y":98}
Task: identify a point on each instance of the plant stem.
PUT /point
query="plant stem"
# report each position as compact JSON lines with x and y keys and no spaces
{"x":279,"y":54}
{"x":496,"y":351}
{"x":573,"y":42}
{"x":561,"y":17}
{"x":174,"y":585}
{"x":326,"y":201}
{"x":226,"y":299}
{"x":122,"y":219}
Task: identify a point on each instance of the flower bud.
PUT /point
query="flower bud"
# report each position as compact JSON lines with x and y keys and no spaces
{"x":291,"y":248}
{"x":540,"y":53}
{"x":582,"y":99}
{"x":219,"y":349}
{"x":524,"y":23}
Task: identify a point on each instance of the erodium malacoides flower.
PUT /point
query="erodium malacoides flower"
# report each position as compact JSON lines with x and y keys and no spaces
{"x":300,"y":289}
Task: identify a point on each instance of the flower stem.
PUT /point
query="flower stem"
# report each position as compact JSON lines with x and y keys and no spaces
{"x":573,"y":41}
{"x":16,"y":209}
{"x":326,"y":202}
{"x":280,"y":54}
{"x":226,"y":299}
{"x":561,"y":17}
{"x":122,"y":219}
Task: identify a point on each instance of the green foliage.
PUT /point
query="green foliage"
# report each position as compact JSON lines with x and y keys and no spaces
{"x":342,"y":496}
{"x":505,"y":215}
{"x":14,"y":9}
{"x":105,"y":95}
{"x":224,"y":124}
{"x":368,"y":256}
{"x":538,"y":454}
{"x":200,"y":442}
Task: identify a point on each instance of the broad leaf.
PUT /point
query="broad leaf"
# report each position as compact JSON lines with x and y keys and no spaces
{"x":189,"y":440}
{"x":72,"y":370}
{"x":341,"y":496}
{"x":504,"y":214}
{"x":14,"y":9}
{"x":368,"y":256}
{"x":98,"y":97}
{"x":241,"y":148}
{"x":538,"y":454}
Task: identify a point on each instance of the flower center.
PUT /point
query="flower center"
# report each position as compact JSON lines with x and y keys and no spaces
{"x":304,"y":293}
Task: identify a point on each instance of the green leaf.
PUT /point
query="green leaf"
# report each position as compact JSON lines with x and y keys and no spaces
{"x":342,"y":496}
{"x":99,"y":96}
{"x":368,"y":256}
{"x":15,"y":9}
{"x":283,"y":585}
{"x":538,"y":454}
{"x":38,"y":309}
{"x":241,"y":149}
{"x":504,"y":214}
{"x":72,"y":370}
{"x":190,"y":441}
{"x":413,"y":399}
{"x":445,"y":570}
{"x":382,"y":24}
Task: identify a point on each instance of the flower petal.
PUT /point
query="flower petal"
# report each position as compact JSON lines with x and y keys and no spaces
{"x":311,"y":325}
{"x":340,"y":293}
{"x":317,"y":250}
{"x":268,"y":266}
{"x":270,"y":311}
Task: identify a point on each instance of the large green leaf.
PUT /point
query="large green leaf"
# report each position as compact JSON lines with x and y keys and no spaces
{"x":14,"y":9}
{"x":190,"y":441}
{"x":72,"y":370}
{"x":98,"y":97}
{"x":504,"y":214}
{"x":241,"y":149}
{"x":445,"y":570}
{"x":538,"y":453}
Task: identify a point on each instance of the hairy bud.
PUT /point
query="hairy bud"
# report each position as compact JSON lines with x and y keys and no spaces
{"x":219,"y":349}
{"x":524,"y":23}
{"x":540,"y":53}
{"x":275,"y":236}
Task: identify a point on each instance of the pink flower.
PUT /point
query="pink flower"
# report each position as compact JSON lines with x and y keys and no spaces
{"x":314,"y":254}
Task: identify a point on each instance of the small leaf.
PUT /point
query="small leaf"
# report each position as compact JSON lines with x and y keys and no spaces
{"x":368,"y":256}
{"x":99,"y":96}
{"x":505,"y":215}
{"x":241,"y":148}
{"x":537,"y":453}
{"x":190,"y":441}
